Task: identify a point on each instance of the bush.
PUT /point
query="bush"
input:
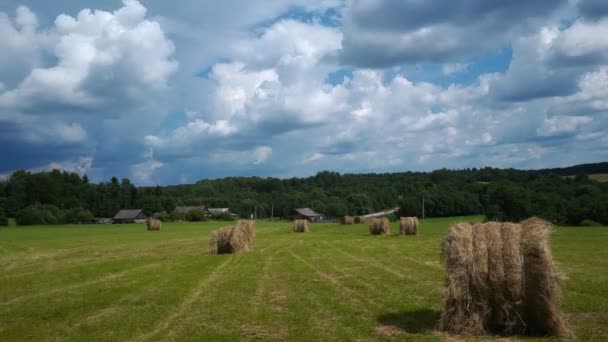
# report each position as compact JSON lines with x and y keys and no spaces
{"x":164,"y":217}
{"x":39,"y":214}
{"x":175,"y":217}
{"x":195,"y":215}
{"x":78,"y":215}
{"x":224,"y":216}
{"x":392,"y":217}
{"x":589,"y":223}
{"x":3,"y":219}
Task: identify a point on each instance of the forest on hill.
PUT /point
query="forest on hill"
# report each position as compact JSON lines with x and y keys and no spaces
{"x":501,"y":194}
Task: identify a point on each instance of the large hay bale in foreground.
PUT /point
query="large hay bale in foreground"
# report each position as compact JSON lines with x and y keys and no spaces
{"x":380,"y":226}
{"x":500,"y":280}
{"x":541,"y":285}
{"x":300,"y":226}
{"x":360,"y":219}
{"x":408,"y":225}
{"x":347,"y":220}
{"x":233,"y":239}
{"x":153,"y":224}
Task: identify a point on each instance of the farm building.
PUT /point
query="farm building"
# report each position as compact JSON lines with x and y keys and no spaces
{"x":211,"y":211}
{"x":305,"y":214}
{"x":130,"y":216}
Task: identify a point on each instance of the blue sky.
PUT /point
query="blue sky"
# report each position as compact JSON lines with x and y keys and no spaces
{"x":167,"y":93}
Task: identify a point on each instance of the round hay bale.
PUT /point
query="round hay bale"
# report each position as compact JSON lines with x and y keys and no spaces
{"x":542,"y":284}
{"x":380,"y":226}
{"x":300,"y":226}
{"x":153,"y":224}
{"x":408,"y":226}
{"x":360,"y":219}
{"x":457,"y":248}
{"x":347,"y":220}
{"x":501,"y":279}
{"x":233,"y":239}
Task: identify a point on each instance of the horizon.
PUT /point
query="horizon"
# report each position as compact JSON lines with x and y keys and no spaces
{"x":6,"y":177}
{"x":169,"y":95}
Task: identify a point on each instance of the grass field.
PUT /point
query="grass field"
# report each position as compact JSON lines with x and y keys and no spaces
{"x":123,"y":283}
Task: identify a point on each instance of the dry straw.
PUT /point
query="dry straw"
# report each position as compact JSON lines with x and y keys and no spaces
{"x":408,"y":226}
{"x":347,"y":220}
{"x":501,"y":279}
{"x":153,"y":224}
{"x":233,"y":239}
{"x":380,"y":226}
{"x":300,"y":226}
{"x":360,"y":219}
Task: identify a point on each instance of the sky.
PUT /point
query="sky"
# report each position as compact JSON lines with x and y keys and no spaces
{"x":173,"y":92}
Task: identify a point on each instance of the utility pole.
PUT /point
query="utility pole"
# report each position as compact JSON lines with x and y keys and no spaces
{"x":272,"y":212}
{"x":422,"y":207}
{"x":255,"y":212}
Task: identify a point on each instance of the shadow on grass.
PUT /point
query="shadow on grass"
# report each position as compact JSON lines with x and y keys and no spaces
{"x":413,"y":322}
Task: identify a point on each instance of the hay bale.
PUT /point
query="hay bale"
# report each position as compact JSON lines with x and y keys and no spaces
{"x":500,"y":279}
{"x":511,"y":322}
{"x":248,"y":226}
{"x":541,"y":281}
{"x":153,"y":224}
{"x":360,"y":219}
{"x":380,"y":226}
{"x":232,"y":239}
{"x":458,"y":315}
{"x":408,"y":226}
{"x":300,"y":226}
{"x":347,"y":220}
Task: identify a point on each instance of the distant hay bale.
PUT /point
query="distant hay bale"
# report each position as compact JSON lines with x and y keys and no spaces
{"x":408,"y":226}
{"x":347,"y":220}
{"x":360,"y":219}
{"x":501,"y":280}
{"x":300,"y":226}
{"x":380,"y":226}
{"x":153,"y":224}
{"x":232,"y":239}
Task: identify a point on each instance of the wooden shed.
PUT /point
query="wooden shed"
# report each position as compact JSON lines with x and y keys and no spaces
{"x":130,"y":216}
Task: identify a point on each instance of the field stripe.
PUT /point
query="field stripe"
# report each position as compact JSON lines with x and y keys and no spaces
{"x":186,"y":303}
{"x":106,"y":278}
{"x":337,"y":284}
{"x":370,"y":262}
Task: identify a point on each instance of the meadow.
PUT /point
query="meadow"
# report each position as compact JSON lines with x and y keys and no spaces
{"x":123,"y":283}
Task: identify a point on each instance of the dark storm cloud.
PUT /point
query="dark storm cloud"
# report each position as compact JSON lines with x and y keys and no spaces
{"x":384,"y":33}
{"x":593,"y":8}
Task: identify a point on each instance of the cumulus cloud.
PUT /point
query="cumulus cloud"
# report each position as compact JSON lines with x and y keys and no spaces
{"x":434,"y":31}
{"x":260,"y":92}
{"x":561,"y":125}
{"x":101,"y":57}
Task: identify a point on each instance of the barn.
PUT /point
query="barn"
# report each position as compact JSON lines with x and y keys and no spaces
{"x":130,"y":216}
{"x":305,"y":214}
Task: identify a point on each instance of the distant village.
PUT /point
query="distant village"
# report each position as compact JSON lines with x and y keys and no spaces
{"x":199,"y":213}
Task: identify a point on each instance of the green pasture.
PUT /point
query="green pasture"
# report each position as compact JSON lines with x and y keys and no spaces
{"x":123,"y":283}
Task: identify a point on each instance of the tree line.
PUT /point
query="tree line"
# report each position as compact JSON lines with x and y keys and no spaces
{"x":564,"y":196}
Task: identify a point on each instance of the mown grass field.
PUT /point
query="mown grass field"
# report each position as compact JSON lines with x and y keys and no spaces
{"x":123,"y":283}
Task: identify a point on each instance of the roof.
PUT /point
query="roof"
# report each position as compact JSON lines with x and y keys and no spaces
{"x":306,"y":212}
{"x":217,"y":210}
{"x":185,"y":210}
{"x":128,"y":214}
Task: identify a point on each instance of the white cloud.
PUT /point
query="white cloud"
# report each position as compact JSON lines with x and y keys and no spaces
{"x":560,"y":125}
{"x":143,"y":173}
{"x":261,"y":154}
{"x":101,"y":56}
